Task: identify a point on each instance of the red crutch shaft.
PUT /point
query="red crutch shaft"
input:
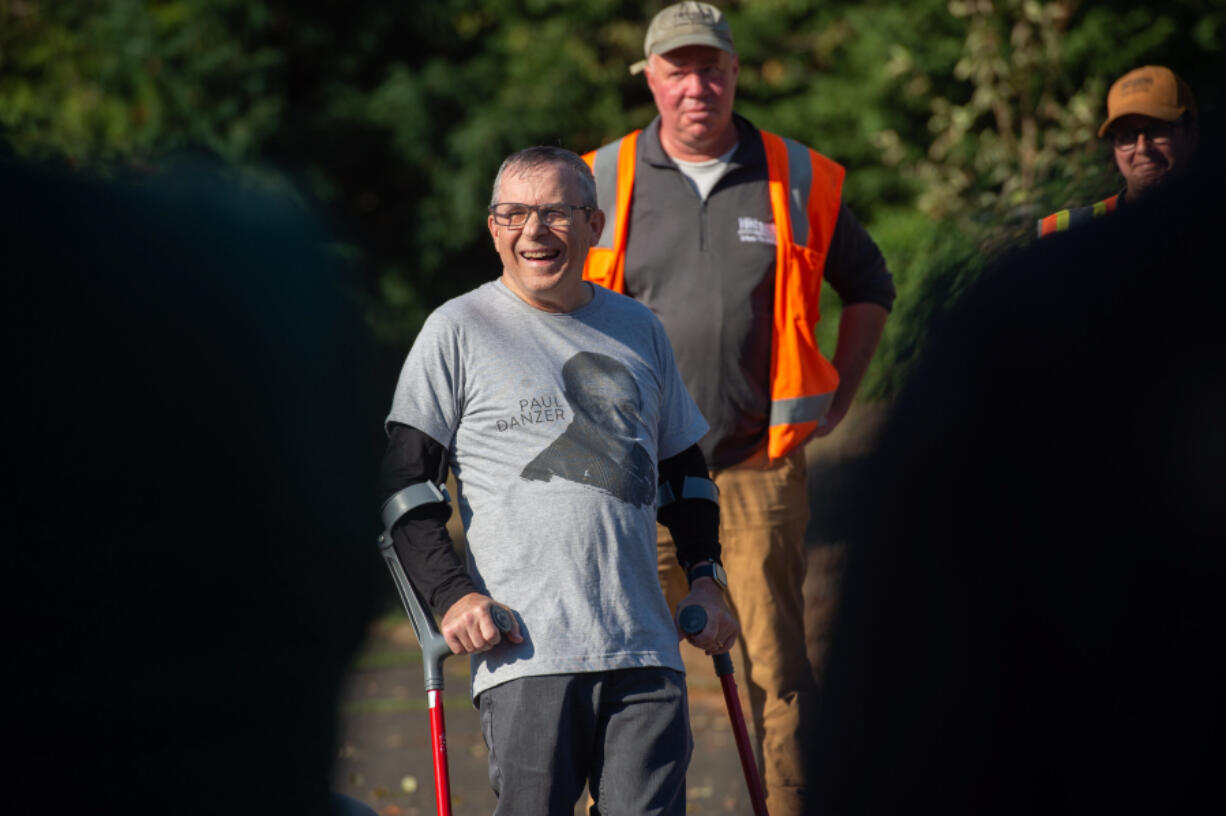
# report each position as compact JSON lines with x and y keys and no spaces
{"x":749,"y":766}
{"x":438,"y":746}
{"x":693,"y":619}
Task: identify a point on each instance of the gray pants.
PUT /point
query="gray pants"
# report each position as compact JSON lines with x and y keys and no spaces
{"x":624,"y":733}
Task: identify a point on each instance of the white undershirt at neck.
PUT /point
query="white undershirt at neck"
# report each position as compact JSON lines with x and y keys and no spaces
{"x":704,"y":175}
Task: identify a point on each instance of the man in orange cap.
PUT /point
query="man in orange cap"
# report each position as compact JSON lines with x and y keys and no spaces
{"x":1151,"y":123}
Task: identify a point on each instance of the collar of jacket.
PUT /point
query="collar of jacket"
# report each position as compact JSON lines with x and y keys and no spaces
{"x":749,"y":150}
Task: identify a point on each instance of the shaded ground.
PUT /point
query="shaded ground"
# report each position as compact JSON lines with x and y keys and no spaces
{"x":384,"y":757}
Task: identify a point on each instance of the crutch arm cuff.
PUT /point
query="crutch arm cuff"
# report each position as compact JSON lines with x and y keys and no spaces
{"x":692,"y":513}
{"x":408,"y":499}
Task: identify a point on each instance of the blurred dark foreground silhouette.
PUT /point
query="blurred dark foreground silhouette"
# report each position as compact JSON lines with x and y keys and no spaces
{"x":1032,"y":616}
{"x":189,"y":455}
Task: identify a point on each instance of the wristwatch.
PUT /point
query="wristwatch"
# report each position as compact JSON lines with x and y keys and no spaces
{"x":713,"y":570}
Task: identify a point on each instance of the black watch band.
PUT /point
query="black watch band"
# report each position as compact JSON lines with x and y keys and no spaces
{"x":713,"y":570}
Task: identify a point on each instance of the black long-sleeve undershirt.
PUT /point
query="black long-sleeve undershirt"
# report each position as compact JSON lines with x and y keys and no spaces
{"x":421,"y":539}
{"x":428,"y":554}
{"x":693,"y":523}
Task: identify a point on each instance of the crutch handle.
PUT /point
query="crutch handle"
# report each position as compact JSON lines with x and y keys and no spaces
{"x":502,"y":618}
{"x":693,"y":620}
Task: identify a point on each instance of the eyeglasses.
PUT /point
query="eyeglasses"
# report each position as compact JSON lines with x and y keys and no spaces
{"x":515,"y":216}
{"x":1158,"y":133}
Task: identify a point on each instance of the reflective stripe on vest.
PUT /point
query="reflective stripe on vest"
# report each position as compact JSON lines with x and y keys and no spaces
{"x":1066,"y":219}
{"x":613,"y":167}
{"x":803,"y":381}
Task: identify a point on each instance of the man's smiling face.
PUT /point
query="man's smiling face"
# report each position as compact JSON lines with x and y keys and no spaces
{"x":544,"y":265}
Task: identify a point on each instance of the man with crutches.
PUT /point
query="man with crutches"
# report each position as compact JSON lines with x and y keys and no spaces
{"x":558,"y":407}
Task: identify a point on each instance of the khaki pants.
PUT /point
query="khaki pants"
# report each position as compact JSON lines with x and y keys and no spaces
{"x":764,"y":510}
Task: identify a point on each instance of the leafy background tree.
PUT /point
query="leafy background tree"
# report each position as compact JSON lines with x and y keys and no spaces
{"x":960,"y":121}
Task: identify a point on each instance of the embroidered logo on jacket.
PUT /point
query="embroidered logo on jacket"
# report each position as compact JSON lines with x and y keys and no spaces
{"x":751,"y":230}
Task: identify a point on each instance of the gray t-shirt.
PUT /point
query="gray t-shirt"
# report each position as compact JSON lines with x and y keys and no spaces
{"x":555,"y":424}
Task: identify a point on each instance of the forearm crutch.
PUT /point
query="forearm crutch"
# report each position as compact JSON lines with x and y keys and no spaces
{"x":434,"y":648}
{"x":693,"y":620}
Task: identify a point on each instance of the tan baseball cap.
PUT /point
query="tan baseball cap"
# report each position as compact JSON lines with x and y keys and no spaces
{"x":1151,"y":90}
{"x":683,"y":24}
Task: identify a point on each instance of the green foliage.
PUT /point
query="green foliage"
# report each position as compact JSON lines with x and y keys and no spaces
{"x":960,"y":121}
{"x":93,"y":81}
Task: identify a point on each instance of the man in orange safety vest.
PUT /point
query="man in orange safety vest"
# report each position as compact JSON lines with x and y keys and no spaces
{"x":726,"y":232}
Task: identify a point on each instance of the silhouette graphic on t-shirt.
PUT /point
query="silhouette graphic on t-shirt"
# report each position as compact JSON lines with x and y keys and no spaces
{"x":598,"y":447}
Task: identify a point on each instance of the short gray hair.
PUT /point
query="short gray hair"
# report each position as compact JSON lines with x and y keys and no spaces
{"x":532,"y":158}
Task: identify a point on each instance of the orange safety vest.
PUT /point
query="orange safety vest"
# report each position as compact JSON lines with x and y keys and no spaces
{"x":1060,"y":221}
{"x":805,"y":189}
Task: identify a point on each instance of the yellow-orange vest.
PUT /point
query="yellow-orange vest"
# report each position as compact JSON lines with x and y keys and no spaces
{"x":1060,"y":221}
{"x":805,"y":189}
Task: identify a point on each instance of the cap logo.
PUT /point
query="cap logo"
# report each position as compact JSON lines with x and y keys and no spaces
{"x":1139,"y":84}
{"x":1151,"y":90}
{"x":695,"y":15}
{"x":683,"y":24}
